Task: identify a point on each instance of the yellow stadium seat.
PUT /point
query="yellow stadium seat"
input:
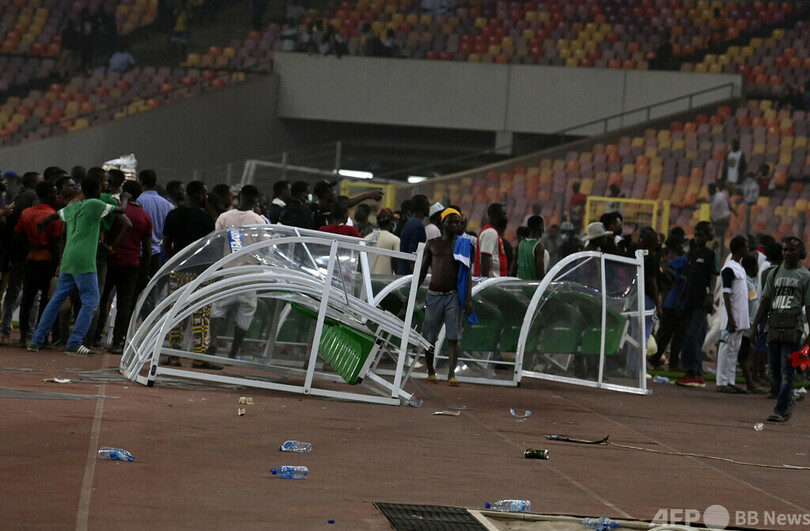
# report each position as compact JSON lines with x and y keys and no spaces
{"x":192,"y":60}
{"x":79,"y":124}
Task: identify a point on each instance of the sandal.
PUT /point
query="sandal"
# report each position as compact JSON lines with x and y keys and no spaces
{"x":777,"y":418}
{"x":432,"y":379}
{"x":453,"y":382}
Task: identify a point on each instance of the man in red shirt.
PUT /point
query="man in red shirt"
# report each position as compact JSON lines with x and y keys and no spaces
{"x":43,"y":253}
{"x":576,"y":208}
{"x":338,"y":219}
{"x":126,"y":262}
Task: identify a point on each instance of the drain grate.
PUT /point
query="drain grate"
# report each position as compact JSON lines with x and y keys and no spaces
{"x":428,"y":517}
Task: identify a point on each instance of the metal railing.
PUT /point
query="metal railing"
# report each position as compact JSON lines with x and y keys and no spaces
{"x":647,"y":109}
{"x":561,"y":134}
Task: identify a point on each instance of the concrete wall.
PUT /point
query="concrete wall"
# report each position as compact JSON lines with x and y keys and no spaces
{"x":226,"y":125}
{"x":273,"y":113}
{"x":456,"y":95}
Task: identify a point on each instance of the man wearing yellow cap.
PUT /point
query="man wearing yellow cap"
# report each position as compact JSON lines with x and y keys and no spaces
{"x":444,"y":305}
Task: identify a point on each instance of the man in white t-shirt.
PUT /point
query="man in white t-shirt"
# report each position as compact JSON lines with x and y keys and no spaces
{"x":734,"y":165}
{"x":432,"y":229}
{"x":244,"y":304}
{"x":735,"y":319}
{"x":490,"y":255}
{"x":385,"y":265}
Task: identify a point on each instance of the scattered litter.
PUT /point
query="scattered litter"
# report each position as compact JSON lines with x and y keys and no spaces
{"x":710,"y":370}
{"x":759,"y":426}
{"x":291,"y":472}
{"x":457,"y":408}
{"x":331,"y":521}
{"x":660,"y":379}
{"x":448,"y":413}
{"x":299,"y":447}
{"x":240,"y":412}
{"x":415,"y":402}
{"x":535,"y":453}
{"x":510,"y":506}
{"x":523,"y":416}
{"x":114,"y":454}
{"x":246,"y":400}
{"x":57,"y":380}
{"x":600,"y":524}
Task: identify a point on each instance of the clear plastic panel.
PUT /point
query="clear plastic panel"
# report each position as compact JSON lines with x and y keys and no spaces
{"x":489,"y":347}
{"x":285,"y":269}
{"x":586,"y":327}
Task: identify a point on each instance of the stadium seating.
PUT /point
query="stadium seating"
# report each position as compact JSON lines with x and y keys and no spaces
{"x":769,"y":64}
{"x":677,"y":163}
{"x":101,"y":97}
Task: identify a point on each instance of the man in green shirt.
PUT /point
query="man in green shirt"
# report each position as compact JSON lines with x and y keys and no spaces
{"x":532,"y":256}
{"x":78,"y":268}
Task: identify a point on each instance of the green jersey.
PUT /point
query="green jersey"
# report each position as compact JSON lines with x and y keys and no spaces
{"x":82,"y":221}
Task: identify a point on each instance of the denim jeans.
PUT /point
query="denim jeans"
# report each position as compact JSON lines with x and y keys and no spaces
{"x":692,"y":349}
{"x":782,"y":372}
{"x":87,"y":283}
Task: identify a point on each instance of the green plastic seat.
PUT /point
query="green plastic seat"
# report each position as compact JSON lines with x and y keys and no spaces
{"x":591,"y":310}
{"x":512,"y":309}
{"x":558,"y":326}
{"x":296,"y":327}
{"x":345,"y":350}
{"x":484,"y":335}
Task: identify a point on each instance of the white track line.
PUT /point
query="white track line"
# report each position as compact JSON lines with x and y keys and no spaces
{"x":83,"y":512}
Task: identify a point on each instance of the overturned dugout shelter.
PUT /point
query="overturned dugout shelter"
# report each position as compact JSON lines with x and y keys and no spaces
{"x":324,"y":326}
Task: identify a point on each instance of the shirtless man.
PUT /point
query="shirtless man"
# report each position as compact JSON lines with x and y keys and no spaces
{"x":443,"y":301}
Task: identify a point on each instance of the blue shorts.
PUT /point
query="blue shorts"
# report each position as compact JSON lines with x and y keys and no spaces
{"x":443,"y":308}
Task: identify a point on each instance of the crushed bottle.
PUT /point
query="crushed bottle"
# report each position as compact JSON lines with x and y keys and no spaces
{"x":290,"y":472}
{"x":115,"y":454}
{"x":510,"y":506}
{"x":299,"y":447}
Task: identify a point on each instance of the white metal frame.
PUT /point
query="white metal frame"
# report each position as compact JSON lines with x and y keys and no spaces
{"x":518,"y":371}
{"x":640,"y":315}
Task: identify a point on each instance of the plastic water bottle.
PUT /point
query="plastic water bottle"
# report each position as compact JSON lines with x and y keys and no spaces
{"x":290,"y":472}
{"x":510,"y":506}
{"x":660,"y":379}
{"x":299,"y":447}
{"x":600,"y":524}
{"x":115,"y":454}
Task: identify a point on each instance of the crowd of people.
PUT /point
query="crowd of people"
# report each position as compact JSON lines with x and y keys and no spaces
{"x":70,"y":238}
{"x":764,"y":289}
